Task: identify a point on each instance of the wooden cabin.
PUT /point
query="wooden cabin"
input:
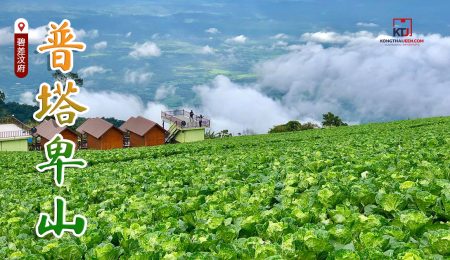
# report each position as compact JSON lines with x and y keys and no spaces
{"x":48,"y":129}
{"x":143,"y":132}
{"x":99,"y":134}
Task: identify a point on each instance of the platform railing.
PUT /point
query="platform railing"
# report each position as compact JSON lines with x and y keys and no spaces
{"x":12,"y":134}
{"x":182,"y":119}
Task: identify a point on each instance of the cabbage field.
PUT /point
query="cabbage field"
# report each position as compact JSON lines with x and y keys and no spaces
{"x":376,"y":191}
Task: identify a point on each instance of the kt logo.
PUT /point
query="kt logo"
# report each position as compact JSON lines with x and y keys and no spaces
{"x":402,"y":27}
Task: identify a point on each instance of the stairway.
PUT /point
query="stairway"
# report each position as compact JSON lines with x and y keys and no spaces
{"x":173,"y":131}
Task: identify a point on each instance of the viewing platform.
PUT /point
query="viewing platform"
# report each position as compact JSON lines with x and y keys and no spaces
{"x":183,"y":128}
{"x":14,"y":135}
{"x":181,"y":118}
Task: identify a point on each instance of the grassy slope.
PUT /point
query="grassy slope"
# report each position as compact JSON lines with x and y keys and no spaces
{"x":290,"y":194}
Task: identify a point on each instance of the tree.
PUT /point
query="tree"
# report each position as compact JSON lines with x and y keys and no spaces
{"x":2,"y":104}
{"x":292,"y":126}
{"x":63,"y":77}
{"x":309,"y":125}
{"x":210,"y":134}
{"x":2,"y":97}
{"x":288,"y":127}
{"x":329,"y":119}
{"x":224,"y":133}
{"x":22,"y":112}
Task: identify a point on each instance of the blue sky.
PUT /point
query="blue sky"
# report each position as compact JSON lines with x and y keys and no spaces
{"x":182,"y":53}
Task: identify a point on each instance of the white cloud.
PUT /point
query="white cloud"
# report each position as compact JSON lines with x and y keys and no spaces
{"x":128,"y":34}
{"x":101,"y":45}
{"x":147,"y":49}
{"x":153,"y":111}
{"x":280,"y":36}
{"x":362,"y":79}
{"x":81,"y":34}
{"x":212,"y":30}
{"x":27,"y":98}
{"x":235,"y":107}
{"x":120,"y":106}
{"x":164,"y":91}
{"x":281,"y":44}
{"x":334,"y":37}
{"x":229,"y":105}
{"x":38,"y":59}
{"x":91,"y":71}
{"x":138,"y":76}
{"x":362,"y":24}
{"x":6,"y":36}
{"x":38,"y":35}
{"x":358,"y":79}
{"x":35,"y":35}
{"x":207,"y":50}
{"x":238,"y":39}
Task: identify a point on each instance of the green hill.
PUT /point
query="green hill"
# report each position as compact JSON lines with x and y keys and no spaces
{"x":375,"y":191}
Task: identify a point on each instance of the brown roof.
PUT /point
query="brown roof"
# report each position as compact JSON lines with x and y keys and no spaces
{"x":95,"y":127}
{"x":139,"y":125}
{"x":48,"y":129}
{"x":124,"y":126}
